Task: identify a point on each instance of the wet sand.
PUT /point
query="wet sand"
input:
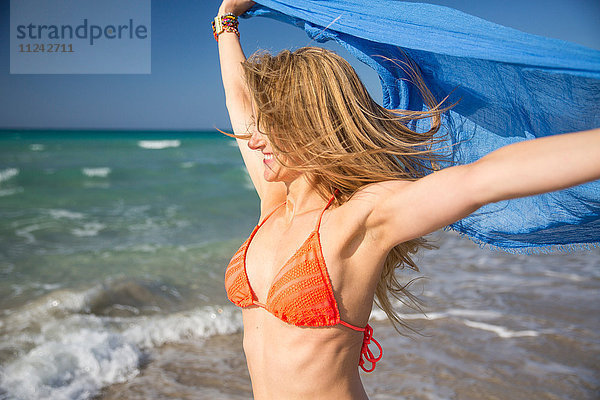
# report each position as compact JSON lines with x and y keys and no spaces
{"x":213,"y":369}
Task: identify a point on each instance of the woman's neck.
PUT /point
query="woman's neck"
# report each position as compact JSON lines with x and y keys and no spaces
{"x":301,"y":197}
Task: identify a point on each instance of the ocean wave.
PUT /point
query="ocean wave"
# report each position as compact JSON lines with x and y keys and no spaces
{"x":80,"y":355}
{"x":88,"y":229}
{"x":37,"y":147}
{"x":26,"y":234}
{"x":96,"y":305}
{"x":184,"y":326}
{"x":459,"y":312}
{"x":101,"y":172}
{"x":46,"y":286}
{"x":18,"y":289}
{"x":501,"y":331}
{"x":8,"y":173}
{"x":11,"y":191}
{"x":158,"y":144}
{"x":187,"y":164}
{"x":378,"y":314}
{"x":69,"y":352}
{"x":96,"y":185}
{"x":60,"y":213}
{"x":564,"y":276}
{"x":75,"y":366}
{"x":459,"y":315}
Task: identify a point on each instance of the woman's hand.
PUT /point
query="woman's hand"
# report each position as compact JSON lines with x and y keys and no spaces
{"x":236,"y":7}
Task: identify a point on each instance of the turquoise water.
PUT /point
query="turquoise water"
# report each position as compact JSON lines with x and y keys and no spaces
{"x":97,"y":226}
{"x":113,"y":247}
{"x":86,"y":206}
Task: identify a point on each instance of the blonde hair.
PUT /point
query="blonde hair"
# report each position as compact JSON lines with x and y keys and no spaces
{"x":317,"y":113}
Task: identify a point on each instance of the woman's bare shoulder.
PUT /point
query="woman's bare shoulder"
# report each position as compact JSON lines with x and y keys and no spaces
{"x":360,"y":216}
{"x":368,"y":197}
{"x":352,"y":215}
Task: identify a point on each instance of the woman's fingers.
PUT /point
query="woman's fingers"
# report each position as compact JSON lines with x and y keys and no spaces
{"x":236,"y":7}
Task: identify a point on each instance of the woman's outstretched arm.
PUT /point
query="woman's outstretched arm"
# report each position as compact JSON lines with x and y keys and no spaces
{"x":540,"y":165}
{"x":239,"y":103}
{"x":400,"y":211}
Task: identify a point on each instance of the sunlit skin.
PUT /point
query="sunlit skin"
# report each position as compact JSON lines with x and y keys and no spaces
{"x":274,"y":171}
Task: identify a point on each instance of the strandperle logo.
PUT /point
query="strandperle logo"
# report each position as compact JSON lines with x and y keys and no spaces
{"x":83,"y":31}
{"x":80,"y":36}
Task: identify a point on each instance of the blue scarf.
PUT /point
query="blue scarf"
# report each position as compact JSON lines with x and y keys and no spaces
{"x":512,"y":86}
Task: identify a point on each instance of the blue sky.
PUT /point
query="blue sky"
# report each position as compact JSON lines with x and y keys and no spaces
{"x":184,"y":89}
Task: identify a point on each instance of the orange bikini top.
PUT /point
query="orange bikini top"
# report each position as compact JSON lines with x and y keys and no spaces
{"x":301,"y":293}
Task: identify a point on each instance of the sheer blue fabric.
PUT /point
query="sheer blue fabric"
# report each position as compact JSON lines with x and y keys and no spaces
{"x":512,"y":86}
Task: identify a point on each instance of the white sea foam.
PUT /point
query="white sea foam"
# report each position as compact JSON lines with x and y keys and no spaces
{"x":564,"y":275}
{"x":46,"y":286}
{"x":8,"y":173}
{"x":145,"y":247}
{"x":45,"y":309}
{"x":96,"y":185}
{"x":501,"y":331}
{"x":101,"y":172}
{"x":158,"y":144}
{"x":455,"y":312}
{"x":17,"y":290}
{"x":379,"y":315}
{"x":187,"y":164}
{"x":73,"y":358}
{"x":75,"y":366}
{"x":11,"y":191}
{"x":69,"y":353}
{"x":60,"y":213}
{"x":88,"y":229}
{"x":175,"y":328}
{"x":460,"y":314}
{"x":37,"y":147}
{"x":26,"y":234}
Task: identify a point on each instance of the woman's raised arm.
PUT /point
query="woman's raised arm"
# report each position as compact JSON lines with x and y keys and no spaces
{"x":404,"y":210}
{"x":238,"y":100}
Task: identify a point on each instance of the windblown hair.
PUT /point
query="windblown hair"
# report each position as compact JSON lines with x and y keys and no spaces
{"x":316,"y":112}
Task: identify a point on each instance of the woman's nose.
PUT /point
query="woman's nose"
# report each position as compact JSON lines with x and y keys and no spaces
{"x":257,"y":141}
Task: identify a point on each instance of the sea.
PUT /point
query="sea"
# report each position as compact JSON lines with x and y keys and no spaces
{"x":113,"y":247}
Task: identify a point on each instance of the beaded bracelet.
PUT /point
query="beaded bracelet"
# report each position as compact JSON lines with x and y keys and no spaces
{"x":225,"y":23}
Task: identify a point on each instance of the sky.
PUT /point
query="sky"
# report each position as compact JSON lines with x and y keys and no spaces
{"x":184,"y":91}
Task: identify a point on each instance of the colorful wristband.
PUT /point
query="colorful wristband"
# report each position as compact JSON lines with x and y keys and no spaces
{"x":225,"y":23}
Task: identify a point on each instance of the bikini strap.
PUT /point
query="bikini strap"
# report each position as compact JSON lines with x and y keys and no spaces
{"x":326,"y":207}
{"x":366,"y":355}
{"x":267,"y":217}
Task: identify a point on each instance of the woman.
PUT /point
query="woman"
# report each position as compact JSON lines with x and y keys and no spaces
{"x":344,"y":200}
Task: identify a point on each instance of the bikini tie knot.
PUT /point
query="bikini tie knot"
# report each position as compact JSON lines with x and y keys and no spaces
{"x":366,"y":355}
